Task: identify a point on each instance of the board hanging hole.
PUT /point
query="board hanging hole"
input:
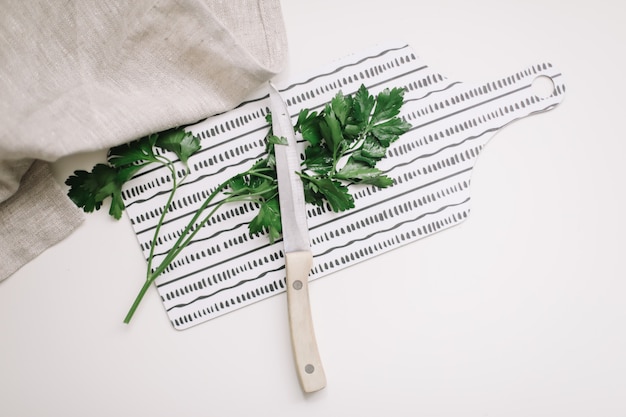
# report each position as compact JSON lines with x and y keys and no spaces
{"x":543,"y":87}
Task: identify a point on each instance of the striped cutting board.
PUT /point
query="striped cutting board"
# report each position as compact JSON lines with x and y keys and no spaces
{"x":225,"y":268}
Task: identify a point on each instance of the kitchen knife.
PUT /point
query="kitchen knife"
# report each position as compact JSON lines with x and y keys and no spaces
{"x":297,"y":249}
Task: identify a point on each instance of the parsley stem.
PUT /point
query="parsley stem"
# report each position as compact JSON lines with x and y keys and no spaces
{"x":259,"y":173}
{"x":190,"y":231}
{"x":138,"y":299}
{"x":179,"y":245}
{"x":162,"y":217}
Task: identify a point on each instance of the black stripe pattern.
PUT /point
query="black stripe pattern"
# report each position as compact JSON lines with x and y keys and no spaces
{"x":225,"y":269}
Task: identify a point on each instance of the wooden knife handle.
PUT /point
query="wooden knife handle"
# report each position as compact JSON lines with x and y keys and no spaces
{"x":307,"y":357}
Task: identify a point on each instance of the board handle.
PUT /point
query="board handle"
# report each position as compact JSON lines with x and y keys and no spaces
{"x":308,"y":363}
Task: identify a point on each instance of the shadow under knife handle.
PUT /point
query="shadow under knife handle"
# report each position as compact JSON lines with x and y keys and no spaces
{"x":308,"y":363}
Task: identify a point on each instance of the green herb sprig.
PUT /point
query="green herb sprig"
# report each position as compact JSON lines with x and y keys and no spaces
{"x":345,"y":141}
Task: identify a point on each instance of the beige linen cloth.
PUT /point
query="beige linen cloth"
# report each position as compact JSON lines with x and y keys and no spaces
{"x":83,"y":75}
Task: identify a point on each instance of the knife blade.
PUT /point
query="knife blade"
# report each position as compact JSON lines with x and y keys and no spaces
{"x":297,"y":249}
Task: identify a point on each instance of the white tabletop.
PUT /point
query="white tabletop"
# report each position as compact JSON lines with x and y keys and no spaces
{"x":518,"y":311}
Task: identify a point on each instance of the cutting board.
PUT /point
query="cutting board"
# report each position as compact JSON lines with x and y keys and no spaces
{"x":225,"y":268}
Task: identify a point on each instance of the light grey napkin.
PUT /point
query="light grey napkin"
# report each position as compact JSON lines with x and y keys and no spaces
{"x":87,"y":74}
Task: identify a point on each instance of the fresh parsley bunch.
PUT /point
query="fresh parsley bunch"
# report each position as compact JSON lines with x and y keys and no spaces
{"x":345,"y":141}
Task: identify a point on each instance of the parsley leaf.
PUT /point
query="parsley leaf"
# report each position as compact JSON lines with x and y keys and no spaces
{"x":319,"y":159}
{"x":320,"y":189}
{"x":370,"y":152}
{"x":84,"y":187}
{"x":267,"y":220}
{"x":387,"y":132}
{"x":274,"y":140}
{"x":308,"y":125}
{"x":362,"y":107}
{"x":342,"y":106}
{"x":331,"y":132}
{"x":259,"y":185}
{"x":182,"y":143}
{"x":388,"y":103}
{"x":136,"y":152}
{"x":89,"y":189}
{"x":359,"y":172}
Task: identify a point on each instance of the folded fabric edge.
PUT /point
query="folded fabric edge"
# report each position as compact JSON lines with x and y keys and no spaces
{"x":11,"y":173}
{"x":38,"y":216}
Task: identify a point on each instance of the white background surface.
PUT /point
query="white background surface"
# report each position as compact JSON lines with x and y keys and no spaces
{"x":519,"y":311}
